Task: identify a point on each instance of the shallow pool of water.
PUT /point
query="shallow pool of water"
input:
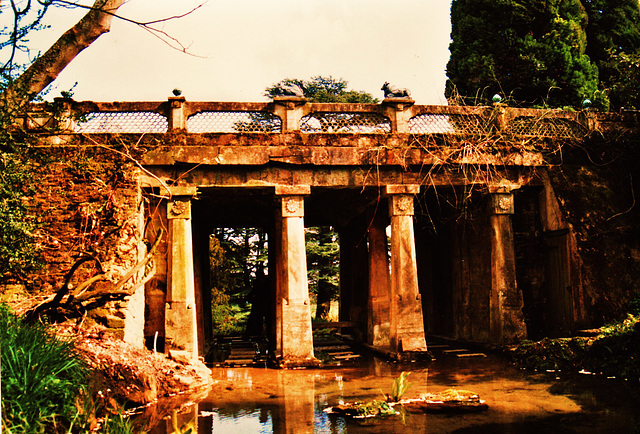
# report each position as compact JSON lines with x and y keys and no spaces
{"x":259,"y":400}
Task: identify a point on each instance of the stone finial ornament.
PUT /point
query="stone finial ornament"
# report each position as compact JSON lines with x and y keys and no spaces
{"x":391,"y":91}
{"x":289,"y":90}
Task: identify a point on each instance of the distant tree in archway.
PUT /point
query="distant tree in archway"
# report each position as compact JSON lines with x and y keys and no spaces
{"x":323,"y":264}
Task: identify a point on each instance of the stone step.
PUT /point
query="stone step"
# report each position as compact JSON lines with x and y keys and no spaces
{"x":242,"y":351}
{"x":339,"y":353}
{"x":347,"y":357}
{"x":465,"y":355}
{"x":239,"y":362}
{"x":333,"y":347}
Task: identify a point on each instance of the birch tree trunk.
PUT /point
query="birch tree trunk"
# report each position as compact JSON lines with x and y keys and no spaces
{"x":48,"y":66}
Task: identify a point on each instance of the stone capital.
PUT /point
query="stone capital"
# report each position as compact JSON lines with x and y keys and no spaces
{"x":292,"y":206}
{"x":401,"y":205}
{"x":501,"y":204}
{"x":179,"y":208}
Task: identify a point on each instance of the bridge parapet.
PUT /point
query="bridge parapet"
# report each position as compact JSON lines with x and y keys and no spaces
{"x":285,"y":114}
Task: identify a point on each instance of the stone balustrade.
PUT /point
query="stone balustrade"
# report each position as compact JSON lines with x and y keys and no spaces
{"x":289,"y":114}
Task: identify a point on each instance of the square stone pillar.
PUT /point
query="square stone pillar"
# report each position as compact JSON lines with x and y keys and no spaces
{"x":379,"y":283}
{"x":506,"y":319}
{"x":180,"y":309}
{"x":294,"y":340}
{"x":290,"y":110}
{"x":406,"y":321}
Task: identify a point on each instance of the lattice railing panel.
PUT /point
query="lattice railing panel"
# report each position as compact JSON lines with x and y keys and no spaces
{"x":328,"y":122}
{"x":234,"y":122}
{"x":446,"y":124}
{"x":546,"y":127}
{"x":122,"y":122}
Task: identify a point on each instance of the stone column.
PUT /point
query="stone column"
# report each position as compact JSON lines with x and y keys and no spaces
{"x":406,"y":323}
{"x":180,"y":310}
{"x":379,"y":284}
{"x":294,"y":341}
{"x":506,"y":319}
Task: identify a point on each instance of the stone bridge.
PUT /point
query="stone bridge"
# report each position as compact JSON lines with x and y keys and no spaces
{"x":447,"y":221}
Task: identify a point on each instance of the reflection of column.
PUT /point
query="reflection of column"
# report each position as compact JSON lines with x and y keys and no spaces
{"x":297,"y":390}
{"x":506,"y":320}
{"x":293,"y":313}
{"x":407,"y":327}
{"x":180,"y":312}
{"x":378,"y":324}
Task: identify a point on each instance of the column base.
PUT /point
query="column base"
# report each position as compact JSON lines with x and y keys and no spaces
{"x":179,"y":328}
{"x":297,"y":362}
{"x":412,"y":343}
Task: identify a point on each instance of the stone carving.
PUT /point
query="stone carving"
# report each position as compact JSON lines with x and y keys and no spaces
{"x":404,"y":203}
{"x":391,"y":91}
{"x":401,"y":205}
{"x":289,"y":90}
{"x":178,"y":208}
{"x":504,"y":203}
{"x":292,"y":205}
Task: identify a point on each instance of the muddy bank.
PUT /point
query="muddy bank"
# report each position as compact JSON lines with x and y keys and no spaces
{"x":131,"y":375}
{"x":612,"y":351}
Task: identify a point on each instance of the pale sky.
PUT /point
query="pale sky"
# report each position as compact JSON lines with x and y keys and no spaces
{"x":239,"y":47}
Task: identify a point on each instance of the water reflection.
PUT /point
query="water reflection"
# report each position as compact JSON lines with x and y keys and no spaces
{"x":256,"y":400}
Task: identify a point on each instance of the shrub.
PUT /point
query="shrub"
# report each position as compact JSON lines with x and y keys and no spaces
{"x":41,"y":377}
{"x":45,"y":383}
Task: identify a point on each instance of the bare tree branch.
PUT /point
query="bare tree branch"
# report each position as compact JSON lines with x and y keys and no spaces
{"x":148,"y":25}
{"x":47,"y":67}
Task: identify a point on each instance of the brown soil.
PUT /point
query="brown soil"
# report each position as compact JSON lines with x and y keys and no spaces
{"x":134,"y":375}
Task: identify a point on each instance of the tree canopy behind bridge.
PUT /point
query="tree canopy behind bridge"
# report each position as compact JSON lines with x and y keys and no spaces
{"x":544,"y":53}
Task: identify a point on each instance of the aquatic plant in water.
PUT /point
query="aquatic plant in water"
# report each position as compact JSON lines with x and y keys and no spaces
{"x":399,"y":387}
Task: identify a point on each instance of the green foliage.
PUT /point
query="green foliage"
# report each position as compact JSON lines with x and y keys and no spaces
{"x":622,"y":79}
{"x":613,"y":43}
{"x":41,"y":377}
{"x":531,"y":51}
{"x":371,"y":408}
{"x":118,"y":424}
{"x":325,"y":89}
{"x":614,"y":352}
{"x":228,"y":319}
{"x":46,"y":385}
{"x":230,"y":262}
{"x":323,"y":263}
{"x":624,"y":327}
{"x":551,"y":354}
{"x":18,"y":252}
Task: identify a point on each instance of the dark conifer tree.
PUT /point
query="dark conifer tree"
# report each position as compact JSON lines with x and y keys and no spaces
{"x":533,"y":52}
{"x":613,"y":43}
